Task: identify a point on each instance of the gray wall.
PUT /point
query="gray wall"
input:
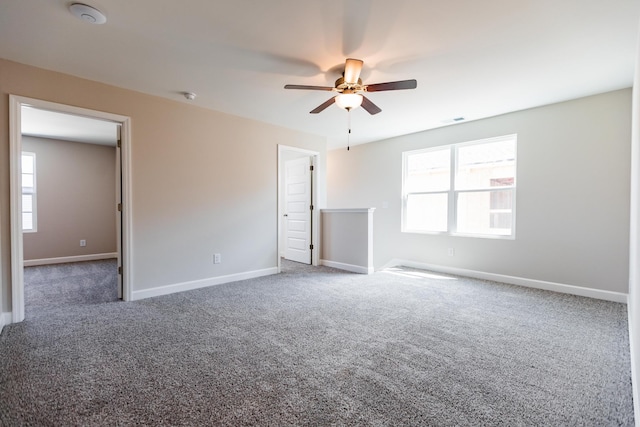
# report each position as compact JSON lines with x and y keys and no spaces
{"x":347,"y":238}
{"x":572,"y":220}
{"x":76,"y":186}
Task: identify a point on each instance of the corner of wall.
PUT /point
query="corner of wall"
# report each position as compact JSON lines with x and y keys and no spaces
{"x":5,"y":319}
{"x":633,"y":304}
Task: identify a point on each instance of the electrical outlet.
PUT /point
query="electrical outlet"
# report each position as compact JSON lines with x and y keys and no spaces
{"x":217,"y":258}
{"x":451,"y":251}
{"x":83,"y":243}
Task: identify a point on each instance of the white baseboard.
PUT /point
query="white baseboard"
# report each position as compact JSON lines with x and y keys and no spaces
{"x":348,"y":267}
{"x":5,"y":319}
{"x":202,"y":283}
{"x":63,"y":260}
{"x":521,"y":281}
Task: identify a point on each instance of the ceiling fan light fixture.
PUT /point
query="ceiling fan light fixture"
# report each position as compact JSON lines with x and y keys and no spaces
{"x":349,"y":101}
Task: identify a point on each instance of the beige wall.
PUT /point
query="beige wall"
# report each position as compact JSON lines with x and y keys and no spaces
{"x":202,"y":181}
{"x":76,"y":186}
{"x":572,"y":218}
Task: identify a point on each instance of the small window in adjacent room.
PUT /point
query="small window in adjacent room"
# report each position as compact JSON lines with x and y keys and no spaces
{"x":464,"y":189}
{"x":29,"y":223}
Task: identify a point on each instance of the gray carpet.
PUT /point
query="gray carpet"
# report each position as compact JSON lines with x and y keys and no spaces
{"x":52,"y":287}
{"x":316,"y":346}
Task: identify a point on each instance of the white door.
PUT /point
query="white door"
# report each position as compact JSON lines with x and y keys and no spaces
{"x":297,"y":211}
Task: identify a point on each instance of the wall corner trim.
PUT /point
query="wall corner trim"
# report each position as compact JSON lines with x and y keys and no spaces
{"x":348,"y":267}
{"x":201,"y":283}
{"x":513,"y":280}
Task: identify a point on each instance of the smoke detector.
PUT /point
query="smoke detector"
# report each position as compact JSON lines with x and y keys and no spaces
{"x":87,"y":13}
{"x":189,"y":95}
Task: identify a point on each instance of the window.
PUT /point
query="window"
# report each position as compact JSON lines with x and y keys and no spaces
{"x":29,"y":192}
{"x":464,"y":189}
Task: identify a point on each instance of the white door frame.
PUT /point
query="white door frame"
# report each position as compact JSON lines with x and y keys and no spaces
{"x":315,"y":214}
{"x":15,"y":150}
{"x":118,"y":210}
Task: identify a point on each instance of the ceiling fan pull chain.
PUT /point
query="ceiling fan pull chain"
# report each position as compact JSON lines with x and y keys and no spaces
{"x":349,"y":128}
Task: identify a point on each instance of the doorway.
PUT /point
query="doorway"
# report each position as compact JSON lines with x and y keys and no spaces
{"x":297,"y":201}
{"x":122,"y":184}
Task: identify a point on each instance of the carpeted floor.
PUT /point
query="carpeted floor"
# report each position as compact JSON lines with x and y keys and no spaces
{"x":53,"y":287}
{"x":316,"y":346}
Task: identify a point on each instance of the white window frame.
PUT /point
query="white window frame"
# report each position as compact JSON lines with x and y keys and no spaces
{"x":30,"y":191}
{"x":452,"y":193}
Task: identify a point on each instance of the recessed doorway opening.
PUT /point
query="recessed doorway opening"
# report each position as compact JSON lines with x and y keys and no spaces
{"x":119,"y":206}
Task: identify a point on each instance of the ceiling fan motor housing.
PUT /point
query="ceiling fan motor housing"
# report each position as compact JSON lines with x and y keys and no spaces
{"x":341,"y":85}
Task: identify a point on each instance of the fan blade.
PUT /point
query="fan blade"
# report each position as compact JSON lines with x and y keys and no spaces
{"x":352,"y":68}
{"x":403,"y":84}
{"x":323,"y":106}
{"x":327,"y":88}
{"x":370,"y":106}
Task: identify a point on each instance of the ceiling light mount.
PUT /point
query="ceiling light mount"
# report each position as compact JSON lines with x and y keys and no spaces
{"x":189,"y":95}
{"x":453,"y":120}
{"x":87,"y":13}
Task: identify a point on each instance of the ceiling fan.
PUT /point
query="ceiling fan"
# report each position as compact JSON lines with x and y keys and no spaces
{"x":351,"y":90}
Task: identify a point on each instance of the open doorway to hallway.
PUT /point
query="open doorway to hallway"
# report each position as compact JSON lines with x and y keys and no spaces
{"x":69,"y":208}
{"x":59,"y":216}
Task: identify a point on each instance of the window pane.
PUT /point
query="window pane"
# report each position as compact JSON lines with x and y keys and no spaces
{"x":485,"y":212}
{"x":27,"y":163}
{"x":27,"y":203}
{"x":501,"y":220}
{"x":27,"y":221}
{"x":27,"y":180}
{"x":426,"y":212}
{"x":429,"y":171}
{"x":486,"y":165}
{"x":501,"y":200}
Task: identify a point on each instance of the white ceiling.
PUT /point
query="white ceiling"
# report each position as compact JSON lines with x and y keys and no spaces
{"x":472,"y":59}
{"x":50,"y":124}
